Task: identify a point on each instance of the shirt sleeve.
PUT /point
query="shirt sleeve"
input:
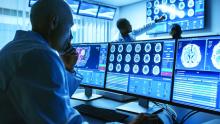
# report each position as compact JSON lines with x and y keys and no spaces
{"x":144,"y":29}
{"x":73,"y":82}
{"x":40,"y":92}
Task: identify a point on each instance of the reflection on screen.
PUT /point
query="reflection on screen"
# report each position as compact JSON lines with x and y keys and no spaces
{"x":73,"y":5}
{"x":106,"y":12}
{"x":142,"y":68}
{"x":88,"y":9}
{"x":189,"y":14}
{"x":197,"y":73}
{"x":91,"y":63}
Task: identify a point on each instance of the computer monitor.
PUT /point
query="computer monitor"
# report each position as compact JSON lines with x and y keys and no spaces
{"x":197,"y":73}
{"x":106,"y":12}
{"x":189,"y":14}
{"x":142,"y":68}
{"x":88,"y":9}
{"x":91,"y":63}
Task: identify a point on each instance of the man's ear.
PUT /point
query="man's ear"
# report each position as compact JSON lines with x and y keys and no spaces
{"x":54,"y":22}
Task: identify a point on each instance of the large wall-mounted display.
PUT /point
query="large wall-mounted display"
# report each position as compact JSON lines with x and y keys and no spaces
{"x":189,"y":14}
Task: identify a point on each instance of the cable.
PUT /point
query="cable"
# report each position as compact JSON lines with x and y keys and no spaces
{"x":188,"y":115}
{"x":173,"y":116}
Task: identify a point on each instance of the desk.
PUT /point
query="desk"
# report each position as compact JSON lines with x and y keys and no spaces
{"x":111,"y":104}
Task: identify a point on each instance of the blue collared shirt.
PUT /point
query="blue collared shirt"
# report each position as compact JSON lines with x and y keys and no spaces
{"x":132,"y":35}
{"x":35,"y":88}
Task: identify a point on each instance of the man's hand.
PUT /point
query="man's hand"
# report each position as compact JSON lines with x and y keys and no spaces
{"x":147,"y":119}
{"x":160,"y":19}
{"x":70,"y":58}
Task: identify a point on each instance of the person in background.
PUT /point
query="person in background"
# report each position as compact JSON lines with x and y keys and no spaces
{"x":176,"y":31}
{"x":35,"y":81}
{"x":127,"y":34}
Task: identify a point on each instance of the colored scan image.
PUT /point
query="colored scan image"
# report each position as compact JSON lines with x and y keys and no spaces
{"x":84,"y":54}
{"x":216,"y":56}
{"x":191,"y":56}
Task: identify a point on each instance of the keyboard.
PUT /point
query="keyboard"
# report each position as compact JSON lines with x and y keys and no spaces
{"x":107,"y":115}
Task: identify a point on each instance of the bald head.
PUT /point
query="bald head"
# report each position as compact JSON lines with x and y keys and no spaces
{"x":53,"y":20}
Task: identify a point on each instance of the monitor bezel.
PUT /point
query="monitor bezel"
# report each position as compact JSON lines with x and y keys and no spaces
{"x":100,"y":43}
{"x":106,"y":17}
{"x":195,"y":107}
{"x":136,"y":95}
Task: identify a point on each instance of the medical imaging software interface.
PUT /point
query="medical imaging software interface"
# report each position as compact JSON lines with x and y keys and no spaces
{"x":189,"y":14}
{"x":197,"y":73}
{"x":91,"y":63}
{"x":142,"y":68}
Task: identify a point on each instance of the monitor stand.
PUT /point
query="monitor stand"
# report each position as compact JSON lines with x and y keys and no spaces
{"x":86,"y":96}
{"x":140,"y":106}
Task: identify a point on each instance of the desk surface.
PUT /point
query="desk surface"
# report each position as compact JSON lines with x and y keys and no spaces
{"x":111,"y":104}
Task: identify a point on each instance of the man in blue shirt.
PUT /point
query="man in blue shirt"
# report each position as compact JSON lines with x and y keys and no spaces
{"x":127,"y":34}
{"x":35,"y":83}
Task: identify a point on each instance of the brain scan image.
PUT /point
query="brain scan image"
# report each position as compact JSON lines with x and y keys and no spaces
{"x":156,"y":17}
{"x":149,"y":12}
{"x":110,"y":67}
{"x":119,"y":57}
{"x":164,"y":1}
{"x":156,"y":3}
{"x":83,"y":56}
{"x":120,"y":48}
{"x":216,"y":56}
{"x":135,"y":69}
{"x":149,"y":19}
{"x":129,"y":48}
{"x":190,"y":12}
{"x":112,"y":49}
{"x":127,"y":68}
{"x":118,"y":67}
{"x":147,"y":47}
{"x":191,"y":56}
{"x":181,"y":5}
{"x":137,"y":58}
{"x":156,"y":70}
{"x":157,"y":58}
{"x":172,"y":16}
{"x":156,"y":11}
{"x":182,"y":14}
{"x":158,"y":47}
{"x":145,"y":69}
{"x":165,"y":16}
{"x":190,"y":3}
{"x":146,"y":58}
{"x":128,"y":58}
{"x":173,"y":6}
{"x":137,"y":48}
{"x":112,"y":57}
{"x":172,"y":1}
{"x":149,"y":5}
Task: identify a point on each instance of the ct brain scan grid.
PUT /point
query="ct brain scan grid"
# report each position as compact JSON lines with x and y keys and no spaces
{"x":143,"y":68}
{"x":197,"y":72}
{"x":189,"y":14}
{"x":91,"y":63}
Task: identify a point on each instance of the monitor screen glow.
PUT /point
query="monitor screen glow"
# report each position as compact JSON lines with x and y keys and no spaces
{"x":91,"y":63}
{"x":106,"y":12}
{"x":189,"y":14}
{"x":88,"y":9}
{"x":142,"y":68}
{"x":197,"y":73}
